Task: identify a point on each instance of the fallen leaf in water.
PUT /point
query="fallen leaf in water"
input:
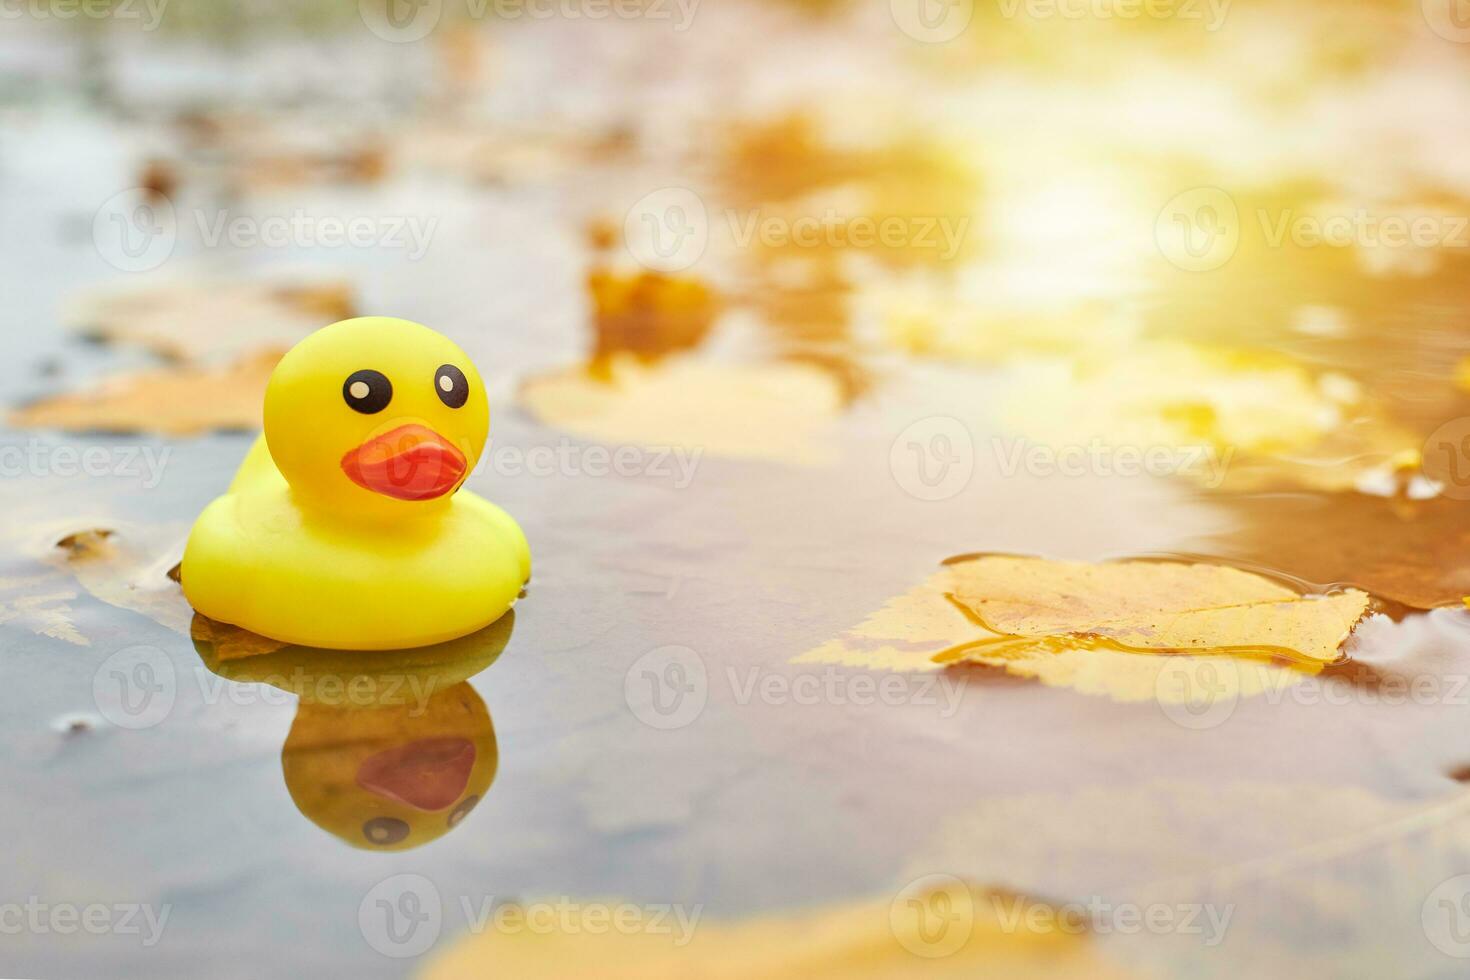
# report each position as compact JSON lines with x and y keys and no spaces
{"x":1110,"y":629}
{"x":961,"y":319}
{"x":943,"y":929}
{"x":649,"y":314}
{"x":174,"y":401}
{"x":1171,"y":394}
{"x":1153,"y":606}
{"x":762,"y":411}
{"x":127,"y":566}
{"x":1237,"y":418}
{"x":211,"y":320}
{"x":1416,"y":552}
{"x":227,"y":642}
{"x":41,"y":604}
{"x":251,"y":152}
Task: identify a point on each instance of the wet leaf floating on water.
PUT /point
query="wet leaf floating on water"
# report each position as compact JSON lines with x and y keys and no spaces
{"x":1109,"y":629}
{"x":173,"y":401}
{"x":649,"y":315}
{"x":42,"y":604}
{"x":212,"y":320}
{"x":773,"y":411}
{"x":128,"y":567}
{"x":991,"y":934}
{"x":1154,"y":606}
{"x":1238,"y":418}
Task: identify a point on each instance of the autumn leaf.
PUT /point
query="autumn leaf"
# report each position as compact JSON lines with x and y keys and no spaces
{"x":648,"y":314}
{"x":1148,"y":606}
{"x":211,"y":320}
{"x":988,"y":934}
{"x":1110,"y":629}
{"x":761,"y":411}
{"x":174,"y":401}
{"x":42,"y":604}
{"x":127,"y":566}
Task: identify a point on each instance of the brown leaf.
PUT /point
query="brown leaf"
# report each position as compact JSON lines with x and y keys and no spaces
{"x":212,"y":320}
{"x":173,"y":401}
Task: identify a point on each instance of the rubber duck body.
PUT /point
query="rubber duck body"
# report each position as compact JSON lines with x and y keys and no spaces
{"x":346,"y":526}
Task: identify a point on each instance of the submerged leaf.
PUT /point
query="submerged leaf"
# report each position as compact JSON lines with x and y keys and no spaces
{"x":41,"y":604}
{"x":946,"y":929}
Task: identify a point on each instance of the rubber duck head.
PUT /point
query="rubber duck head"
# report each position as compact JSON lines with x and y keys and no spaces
{"x":376,"y":413}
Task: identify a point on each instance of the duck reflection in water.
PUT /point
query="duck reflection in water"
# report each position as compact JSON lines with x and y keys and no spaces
{"x":389,"y":749}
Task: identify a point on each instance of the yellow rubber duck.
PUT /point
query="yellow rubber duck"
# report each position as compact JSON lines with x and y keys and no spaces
{"x":343,"y":527}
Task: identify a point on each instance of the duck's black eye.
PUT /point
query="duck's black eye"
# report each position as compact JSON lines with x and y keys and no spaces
{"x":367,"y":392}
{"x":385,"y":830}
{"x":451,"y":386}
{"x":459,"y":812}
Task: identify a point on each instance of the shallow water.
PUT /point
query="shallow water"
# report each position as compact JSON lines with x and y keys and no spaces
{"x":1324,"y":818}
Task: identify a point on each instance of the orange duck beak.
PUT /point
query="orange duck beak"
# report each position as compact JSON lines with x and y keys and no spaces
{"x":412,"y":462}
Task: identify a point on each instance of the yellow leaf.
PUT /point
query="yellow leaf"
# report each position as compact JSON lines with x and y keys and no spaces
{"x":127,"y":566}
{"x":763,"y":411}
{"x":967,"y":932}
{"x":40,"y":604}
{"x":1165,"y":607}
{"x":1112,"y":629}
{"x":176,"y":401}
{"x":198,"y":320}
